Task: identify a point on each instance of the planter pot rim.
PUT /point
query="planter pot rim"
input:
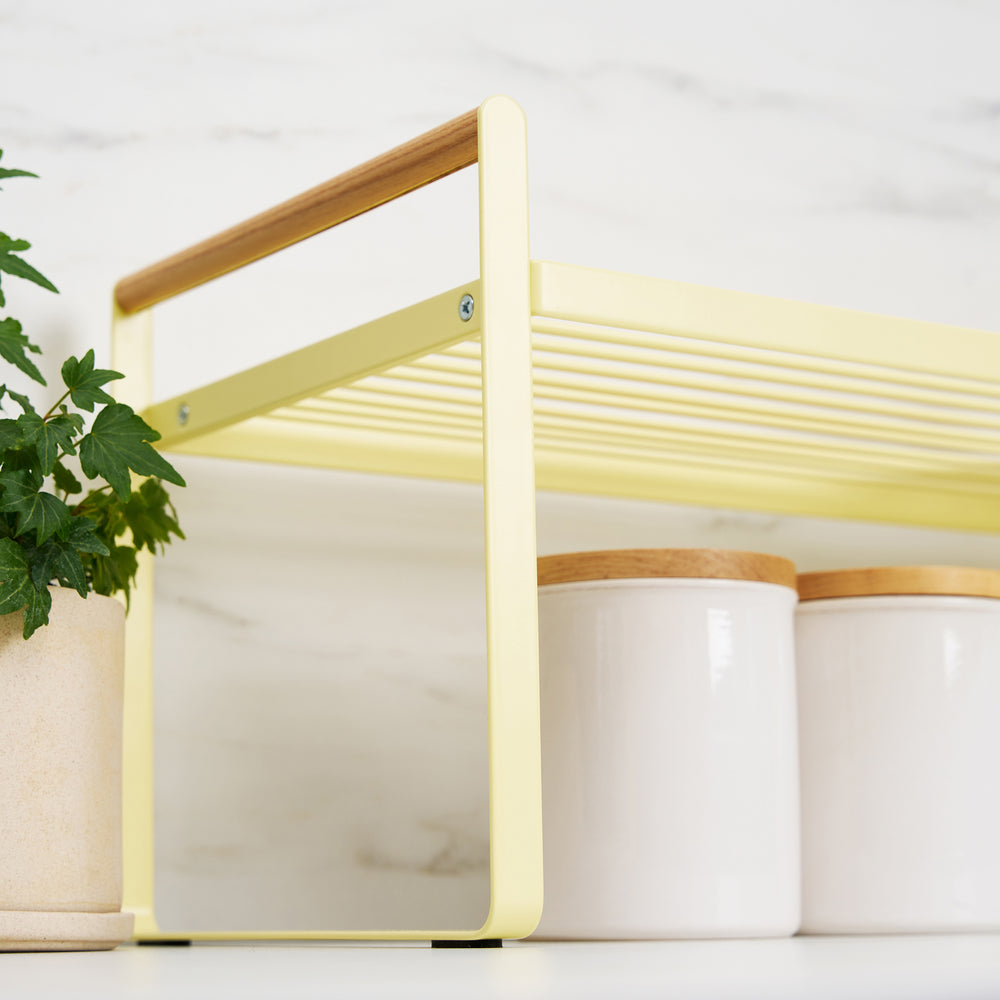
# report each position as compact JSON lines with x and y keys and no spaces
{"x":70,"y":609}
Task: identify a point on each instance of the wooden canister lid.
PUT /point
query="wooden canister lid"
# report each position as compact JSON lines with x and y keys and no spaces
{"x":636,"y":564}
{"x":956,"y":581}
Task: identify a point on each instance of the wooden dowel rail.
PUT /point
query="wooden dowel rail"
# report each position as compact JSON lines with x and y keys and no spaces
{"x":427,"y":158}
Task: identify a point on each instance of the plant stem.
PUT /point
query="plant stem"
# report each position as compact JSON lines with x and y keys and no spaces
{"x":83,"y":503}
{"x":55,"y":405}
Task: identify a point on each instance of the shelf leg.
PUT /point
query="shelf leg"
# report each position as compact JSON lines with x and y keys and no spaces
{"x":481,"y":943}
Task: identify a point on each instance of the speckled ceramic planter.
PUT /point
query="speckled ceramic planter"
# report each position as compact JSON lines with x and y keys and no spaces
{"x":60,"y":778}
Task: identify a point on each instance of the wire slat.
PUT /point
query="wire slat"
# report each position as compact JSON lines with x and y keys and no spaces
{"x":802,"y":368}
{"x":597,"y":455}
{"x":767,"y":394}
{"x":768,"y":459}
{"x":591,"y":391}
{"x":803,"y":409}
{"x":754,"y":402}
{"x":649,"y":415}
{"x":636,"y":425}
{"x":386,"y":425}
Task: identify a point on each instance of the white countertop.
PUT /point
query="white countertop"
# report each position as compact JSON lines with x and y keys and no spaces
{"x":946,"y":967}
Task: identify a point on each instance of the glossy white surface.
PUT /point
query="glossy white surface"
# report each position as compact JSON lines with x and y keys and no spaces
{"x":900,"y":746}
{"x":328,"y":767}
{"x":669,"y":759}
{"x":900,"y":968}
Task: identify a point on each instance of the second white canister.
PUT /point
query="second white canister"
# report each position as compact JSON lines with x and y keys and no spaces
{"x":669,"y":757}
{"x":899,"y":700}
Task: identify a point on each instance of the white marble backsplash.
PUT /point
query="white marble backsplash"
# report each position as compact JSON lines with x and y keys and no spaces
{"x":320,"y":718}
{"x":321,"y":704}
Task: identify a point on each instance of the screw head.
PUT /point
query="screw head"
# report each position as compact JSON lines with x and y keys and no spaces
{"x":183,"y":412}
{"x":466,"y":307}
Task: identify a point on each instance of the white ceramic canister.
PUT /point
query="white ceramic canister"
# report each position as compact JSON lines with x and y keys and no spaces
{"x":669,"y":758}
{"x":899,"y":704}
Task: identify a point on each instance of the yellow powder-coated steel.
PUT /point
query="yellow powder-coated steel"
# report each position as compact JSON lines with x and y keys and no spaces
{"x":132,"y":352}
{"x":642,"y":388}
{"x":656,"y":390}
{"x":259,"y":414}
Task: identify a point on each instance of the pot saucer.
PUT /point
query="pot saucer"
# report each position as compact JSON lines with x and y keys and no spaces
{"x":36,"y":930}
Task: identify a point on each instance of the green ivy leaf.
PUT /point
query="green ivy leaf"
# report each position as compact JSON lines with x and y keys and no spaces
{"x":37,"y":611}
{"x":117,"y":442}
{"x":43,"y":437}
{"x":84,"y":381}
{"x":41,"y":540}
{"x":15,"y":577}
{"x":24,"y":462}
{"x":17,"y":590}
{"x":13,"y":344}
{"x":45,"y":513}
{"x":42,"y":562}
{"x":151,"y":517}
{"x":20,"y":268}
{"x":58,"y":560}
{"x":36,"y":510}
{"x":115,"y":571}
{"x":65,"y":481}
{"x":10,"y":435}
{"x":82,"y":535}
{"x":21,"y":401}
{"x":5,"y":172}
{"x":69,"y":568}
{"x":7,"y":244}
{"x":65,"y":428}
{"x":74,"y":418}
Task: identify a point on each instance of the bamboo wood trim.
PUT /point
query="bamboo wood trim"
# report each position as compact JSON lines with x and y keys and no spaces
{"x":427,"y":158}
{"x":957,"y":581}
{"x":702,"y":564}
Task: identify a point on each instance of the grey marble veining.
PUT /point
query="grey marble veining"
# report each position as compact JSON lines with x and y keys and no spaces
{"x":326,"y":734}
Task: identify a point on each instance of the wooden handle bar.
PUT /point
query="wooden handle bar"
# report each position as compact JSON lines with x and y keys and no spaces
{"x":427,"y":158}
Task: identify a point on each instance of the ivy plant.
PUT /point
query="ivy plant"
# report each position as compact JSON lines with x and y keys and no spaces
{"x":53,"y":529}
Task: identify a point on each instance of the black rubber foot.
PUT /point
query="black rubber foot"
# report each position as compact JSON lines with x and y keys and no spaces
{"x":163,"y":944}
{"x":481,"y":943}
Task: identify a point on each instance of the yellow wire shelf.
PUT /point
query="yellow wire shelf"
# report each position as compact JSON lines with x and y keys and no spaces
{"x":648,"y":389}
{"x":557,"y":377}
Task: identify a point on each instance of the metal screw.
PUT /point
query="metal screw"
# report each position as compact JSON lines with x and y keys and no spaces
{"x":183,"y":412}
{"x":466,"y":307}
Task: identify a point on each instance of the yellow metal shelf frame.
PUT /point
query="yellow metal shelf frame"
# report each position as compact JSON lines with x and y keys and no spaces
{"x":572,"y":379}
{"x":648,"y":389}
{"x":495,"y":137}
